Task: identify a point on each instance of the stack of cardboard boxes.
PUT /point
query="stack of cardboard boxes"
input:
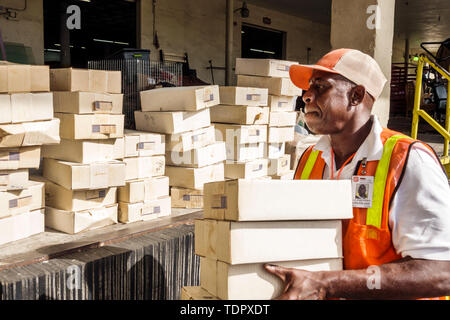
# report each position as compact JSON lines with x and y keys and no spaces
{"x":26,"y":123}
{"x":251,"y":222}
{"x":193,"y":156}
{"x":82,"y":174}
{"x":241,"y":121}
{"x":146,"y":193}
{"x":274,"y":75}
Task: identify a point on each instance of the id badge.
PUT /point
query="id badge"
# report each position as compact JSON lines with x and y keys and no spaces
{"x":362,"y":191}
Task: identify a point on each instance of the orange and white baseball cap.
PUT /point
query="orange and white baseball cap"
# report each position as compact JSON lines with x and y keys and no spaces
{"x":354,"y":65}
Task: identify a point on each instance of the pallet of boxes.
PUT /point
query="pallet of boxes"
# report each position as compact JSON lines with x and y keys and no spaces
{"x":241,"y":122}
{"x":26,"y":124}
{"x":251,"y":222}
{"x":82,"y":173}
{"x":274,"y":75}
{"x":193,"y":156}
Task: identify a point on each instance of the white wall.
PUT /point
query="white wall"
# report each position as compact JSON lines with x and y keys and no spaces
{"x":28,"y":29}
{"x":198,"y":28}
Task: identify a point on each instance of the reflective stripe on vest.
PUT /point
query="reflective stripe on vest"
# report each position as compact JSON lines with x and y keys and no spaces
{"x":309,"y":165}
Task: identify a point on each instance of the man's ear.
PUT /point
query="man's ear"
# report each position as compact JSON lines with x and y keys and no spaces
{"x":357,"y":94}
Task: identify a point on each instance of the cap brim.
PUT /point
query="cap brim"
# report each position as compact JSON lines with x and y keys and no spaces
{"x":301,"y":74}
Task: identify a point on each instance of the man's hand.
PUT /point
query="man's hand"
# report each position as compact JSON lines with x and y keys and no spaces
{"x":299,"y":284}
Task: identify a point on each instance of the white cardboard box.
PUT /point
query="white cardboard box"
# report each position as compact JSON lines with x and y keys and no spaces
{"x":172,"y":122}
{"x":263,"y":67}
{"x":245,"y":152}
{"x":279,"y":166}
{"x":20,"y":158}
{"x":91,"y":126}
{"x":87,"y":102}
{"x":275,"y":200}
{"x":144,"y":211}
{"x":141,"y":144}
{"x":77,"y":176}
{"x":186,"y":198}
{"x":21,"y":201}
{"x":13,"y":179}
{"x":194,"y":178}
{"x":275,"y":150}
{"x":243,"y":96}
{"x":241,"y":133}
{"x":282,"y":119}
{"x":29,"y":134}
{"x":201,"y":157}
{"x":246,"y":170}
{"x":268,"y":241}
{"x":282,"y":103}
{"x":25,"y":107}
{"x":76,"y":200}
{"x":21,"y":226}
{"x":15,"y":78}
{"x":240,"y":114}
{"x":144,"y":167}
{"x":280,"y":134}
{"x":186,"y":141}
{"x":86,"y":151}
{"x":71,"y":79}
{"x":276,"y":86}
{"x":180,"y":98}
{"x":252,"y":281}
{"x":77,"y":221}
{"x":141,"y":190}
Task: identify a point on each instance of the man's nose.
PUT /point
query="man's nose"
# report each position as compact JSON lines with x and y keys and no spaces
{"x":308,"y":97}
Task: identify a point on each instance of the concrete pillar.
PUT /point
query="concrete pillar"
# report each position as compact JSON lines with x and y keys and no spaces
{"x":367,"y":25}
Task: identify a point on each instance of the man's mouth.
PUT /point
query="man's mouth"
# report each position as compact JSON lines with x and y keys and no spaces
{"x":312,"y":113}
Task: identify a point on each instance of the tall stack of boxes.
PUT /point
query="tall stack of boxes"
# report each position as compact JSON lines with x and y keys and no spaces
{"x":193,"y":156}
{"x":146,"y":193}
{"x":251,"y":222}
{"x":82,"y":173}
{"x":274,"y":75}
{"x":26,"y":123}
{"x":241,"y":121}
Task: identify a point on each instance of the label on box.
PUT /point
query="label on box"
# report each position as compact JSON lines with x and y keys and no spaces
{"x":208,"y":96}
{"x":103,"y":106}
{"x":257,"y":167}
{"x":254,"y":132}
{"x":20,"y":202}
{"x":95,"y":194}
{"x":99,"y":176}
{"x":280,"y":103}
{"x":104,"y":128}
{"x":10,"y":156}
{"x":150,"y":145}
{"x":253,"y":97}
{"x":198,"y":137}
{"x":219,"y":201}
{"x":150,"y":210}
{"x":283,"y":67}
{"x":187,"y":197}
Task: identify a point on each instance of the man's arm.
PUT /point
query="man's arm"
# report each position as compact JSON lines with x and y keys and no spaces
{"x":403,"y":279}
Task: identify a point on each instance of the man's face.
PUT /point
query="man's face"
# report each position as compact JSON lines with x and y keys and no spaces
{"x":328,"y":108}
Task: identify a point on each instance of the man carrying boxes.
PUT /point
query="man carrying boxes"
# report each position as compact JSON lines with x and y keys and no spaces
{"x":83,"y":172}
{"x":26,"y":122}
{"x":397,"y":245}
{"x":193,"y":156}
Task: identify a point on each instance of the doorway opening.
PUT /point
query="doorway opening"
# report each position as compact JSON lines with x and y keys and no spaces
{"x":107,"y":26}
{"x":262,"y":43}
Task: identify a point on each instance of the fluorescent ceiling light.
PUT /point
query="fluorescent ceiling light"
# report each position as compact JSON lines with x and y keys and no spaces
{"x":109,"y":41}
{"x":262,"y":51}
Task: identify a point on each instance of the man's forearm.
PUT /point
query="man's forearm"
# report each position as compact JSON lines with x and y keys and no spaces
{"x":404,"y":279}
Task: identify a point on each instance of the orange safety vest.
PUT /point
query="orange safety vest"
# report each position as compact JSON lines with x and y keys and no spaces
{"x":367,"y":238}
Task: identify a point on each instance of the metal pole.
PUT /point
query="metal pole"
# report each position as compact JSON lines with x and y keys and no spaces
{"x":417,"y":96}
{"x":64,"y":36}
{"x":447,"y":119}
{"x":229,"y":44}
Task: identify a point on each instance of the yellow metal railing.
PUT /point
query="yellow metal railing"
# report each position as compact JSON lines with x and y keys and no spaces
{"x":445,"y":132}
